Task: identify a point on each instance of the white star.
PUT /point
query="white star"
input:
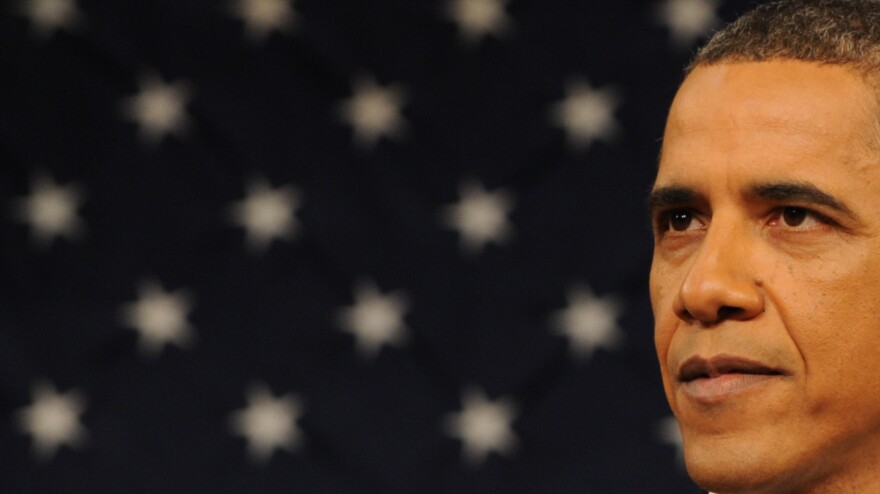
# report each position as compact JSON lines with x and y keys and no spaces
{"x":478,"y":18}
{"x":48,"y":16}
{"x":483,"y":426}
{"x":374,"y":111}
{"x":586,"y":114}
{"x":374,"y":319}
{"x":669,"y":433}
{"x":261,"y":17}
{"x":159,"y":317}
{"x":266,"y":213}
{"x":480,"y":216}
{"x":50,"y":210}
{"x":267,"y":423}
{"x":589,"y":322}
{"x":158,"y":108}
{"x":688,"y":20}
{"x":52,"y":420}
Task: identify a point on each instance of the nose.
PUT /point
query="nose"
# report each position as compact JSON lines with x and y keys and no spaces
{"x":721,"y":284}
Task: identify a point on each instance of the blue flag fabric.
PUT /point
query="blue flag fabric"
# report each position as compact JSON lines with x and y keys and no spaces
{"x":335,"y":246}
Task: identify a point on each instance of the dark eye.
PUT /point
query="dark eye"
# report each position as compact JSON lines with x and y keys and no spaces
{"x":680,"y":220}
{"x":794,"y":216}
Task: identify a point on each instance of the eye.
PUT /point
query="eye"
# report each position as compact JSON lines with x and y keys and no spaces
{"x":793,"y":216}
{"x":678,"y":220}
{"x":798,"y":218}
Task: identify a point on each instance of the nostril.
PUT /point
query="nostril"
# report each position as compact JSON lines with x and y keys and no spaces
{"x":685,"y":315}
{"x":727,"y":312}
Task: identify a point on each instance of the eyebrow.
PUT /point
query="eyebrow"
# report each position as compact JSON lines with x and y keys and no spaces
{"x":670,"y":196}
{"x":803,"y":192}
{"x":795,"y":191}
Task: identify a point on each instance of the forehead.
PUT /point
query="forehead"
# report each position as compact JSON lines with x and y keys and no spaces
{"x":778,"y":117}
{"x":782,"y":92}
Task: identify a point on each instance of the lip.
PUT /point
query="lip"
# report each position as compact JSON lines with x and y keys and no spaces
{"x":714,"y":379}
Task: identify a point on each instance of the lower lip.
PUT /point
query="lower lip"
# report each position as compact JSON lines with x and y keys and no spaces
{"x":714,"y":388}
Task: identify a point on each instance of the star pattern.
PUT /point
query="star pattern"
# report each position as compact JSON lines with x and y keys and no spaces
{"x":688,"y":20}
{"x":52,"y":420}
{"x":259,"y":85}
{"x":262,"y":17}
{"x":589,"y":322}
{"x":266,"y":214}
{"x":375,"y":319}
{"x":479,"y":18}
{"x":483,"y":426}
{"x":159,"y":317}
{"x":374,"y":112}
{"x":158,"y":109}
{"x":48,"y":16}
{"x":268,"y":423}
{"x":50,"y":210}
{"x":586,"y":113}
{"x":480,"y":217}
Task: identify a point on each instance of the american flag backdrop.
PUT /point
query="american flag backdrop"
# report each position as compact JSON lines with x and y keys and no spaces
{"x":334,"y":246}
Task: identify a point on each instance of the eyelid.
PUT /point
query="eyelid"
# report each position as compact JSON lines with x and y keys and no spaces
{"x":662,"y":216}
{"x":824,"y":218}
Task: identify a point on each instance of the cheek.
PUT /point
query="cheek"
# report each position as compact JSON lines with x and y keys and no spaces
{"x":840,"y":345}
{"x":664,"y":330}
{"x":659,"y":307}
{"x":833,"y":317}
{"x":665,"y":321}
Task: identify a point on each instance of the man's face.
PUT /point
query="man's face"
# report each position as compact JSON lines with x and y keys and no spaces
{"x":765,"y":282}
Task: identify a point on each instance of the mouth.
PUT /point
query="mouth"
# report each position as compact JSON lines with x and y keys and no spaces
{"x":700,"y":368}
{"x":723,"y":375}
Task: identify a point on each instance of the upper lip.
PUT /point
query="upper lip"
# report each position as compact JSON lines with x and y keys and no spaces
{"x":697,"y":367}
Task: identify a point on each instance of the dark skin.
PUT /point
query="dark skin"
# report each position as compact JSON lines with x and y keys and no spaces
{"x":766,"y":277}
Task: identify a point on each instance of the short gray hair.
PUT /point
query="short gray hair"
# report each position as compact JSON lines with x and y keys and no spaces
{"x":837,"y":32}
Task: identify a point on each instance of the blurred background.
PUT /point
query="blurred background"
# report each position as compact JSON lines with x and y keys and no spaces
{"x":334,"y":246}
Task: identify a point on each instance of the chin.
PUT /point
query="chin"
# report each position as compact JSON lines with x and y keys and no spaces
{"x":728,"y":479}
{"x":735,"y":465}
